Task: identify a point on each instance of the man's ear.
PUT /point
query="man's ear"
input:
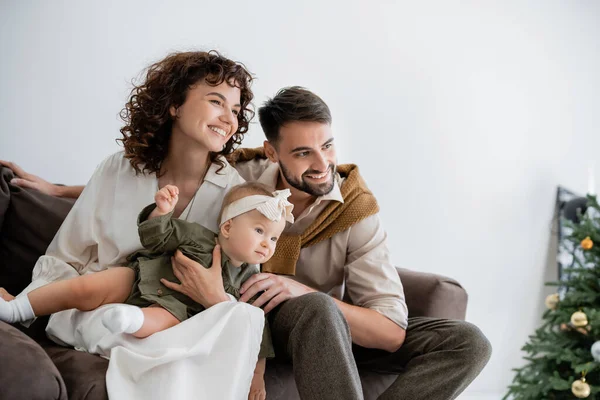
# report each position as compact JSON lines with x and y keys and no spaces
{"x":270,"y":151}
{"x":225,"y":229}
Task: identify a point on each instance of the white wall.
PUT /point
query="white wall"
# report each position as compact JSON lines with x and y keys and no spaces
{"x":474,"y":110}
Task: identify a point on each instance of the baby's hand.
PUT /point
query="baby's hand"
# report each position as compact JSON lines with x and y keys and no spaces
{"x":166,"y":199}
{"x":257,"y":388}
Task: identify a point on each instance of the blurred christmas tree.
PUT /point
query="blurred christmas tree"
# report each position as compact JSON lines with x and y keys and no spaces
{"x":563,"y":356}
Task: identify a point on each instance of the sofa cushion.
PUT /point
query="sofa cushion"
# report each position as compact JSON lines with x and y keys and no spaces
{"x":84,"y":374}
{"x":28,"y":222}
{"x":26,"y":371}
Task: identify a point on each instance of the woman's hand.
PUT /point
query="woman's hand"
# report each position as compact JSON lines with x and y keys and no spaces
{"x":277,"y":289}
{"x":203,"y":285}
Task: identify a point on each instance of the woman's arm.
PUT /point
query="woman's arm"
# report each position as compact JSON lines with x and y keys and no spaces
{"x":74,"y":249}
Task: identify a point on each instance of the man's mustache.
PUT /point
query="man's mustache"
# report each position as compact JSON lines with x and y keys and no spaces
{"x":315,"y":172}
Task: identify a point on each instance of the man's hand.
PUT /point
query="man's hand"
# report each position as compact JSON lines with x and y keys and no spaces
{"x":26,"y":180}
{"x":31,"y":181}
{"x":203,"y":285}
{"x":277,"y":290}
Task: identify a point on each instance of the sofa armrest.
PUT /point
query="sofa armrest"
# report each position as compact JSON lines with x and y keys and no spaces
{"x":26,"y":371}
{"x":431,"y":295}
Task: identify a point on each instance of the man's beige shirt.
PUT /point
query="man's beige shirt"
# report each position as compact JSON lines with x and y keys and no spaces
{"x":353,"y":265}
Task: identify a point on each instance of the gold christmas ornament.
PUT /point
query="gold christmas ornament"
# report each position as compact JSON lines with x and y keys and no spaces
{"x":580,"y":388}
{"x":587,"y":243}
{"x":552,"y":301}
{"x":579,"y":319}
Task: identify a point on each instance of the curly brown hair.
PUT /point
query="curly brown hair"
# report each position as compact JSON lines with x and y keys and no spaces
{"x":148,"y":122}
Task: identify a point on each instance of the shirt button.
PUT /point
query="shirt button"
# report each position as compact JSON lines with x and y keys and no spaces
{"x":160,"y":292}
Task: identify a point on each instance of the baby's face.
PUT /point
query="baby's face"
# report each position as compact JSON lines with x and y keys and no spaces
{"x":253,"y":237}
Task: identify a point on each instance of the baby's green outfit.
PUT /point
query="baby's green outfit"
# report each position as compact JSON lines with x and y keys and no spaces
{"x":161,"y":236}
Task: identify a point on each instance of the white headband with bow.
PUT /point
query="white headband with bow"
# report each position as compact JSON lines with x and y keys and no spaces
{"x":271,"y":207}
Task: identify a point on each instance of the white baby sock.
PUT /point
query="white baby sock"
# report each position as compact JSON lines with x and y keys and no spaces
{"x":17,"y":310}
{"x":123,"y":319}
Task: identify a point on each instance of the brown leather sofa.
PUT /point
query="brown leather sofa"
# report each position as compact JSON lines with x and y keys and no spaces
{"x":32,"y":367}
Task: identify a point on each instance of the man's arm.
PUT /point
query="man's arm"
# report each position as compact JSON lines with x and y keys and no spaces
{"x":35,"y":182}
{"x":71,"y":192}
{"x":371,"y":329}
{"x":372,"y":283}
{"x":368,"y":327}
{"x":380,"y":316}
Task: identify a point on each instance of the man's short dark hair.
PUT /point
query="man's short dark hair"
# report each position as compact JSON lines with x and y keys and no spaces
{"x":291,"y":104}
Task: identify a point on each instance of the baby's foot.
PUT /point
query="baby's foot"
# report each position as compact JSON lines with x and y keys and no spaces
{"x":5,"y":295}
{"x":123,"y":319}
{"x":17,"y":310}
{"x":6,"y":311}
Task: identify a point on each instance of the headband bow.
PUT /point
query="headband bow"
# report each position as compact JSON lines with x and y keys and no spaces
{"x":271,"y":207}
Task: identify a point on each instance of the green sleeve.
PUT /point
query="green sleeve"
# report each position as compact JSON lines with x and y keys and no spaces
{"x":165,"y":234}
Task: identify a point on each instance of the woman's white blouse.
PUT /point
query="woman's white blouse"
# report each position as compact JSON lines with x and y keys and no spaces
{"x":101,"y":229}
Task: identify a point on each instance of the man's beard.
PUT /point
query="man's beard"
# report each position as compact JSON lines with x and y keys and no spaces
{"x":318,"y":189}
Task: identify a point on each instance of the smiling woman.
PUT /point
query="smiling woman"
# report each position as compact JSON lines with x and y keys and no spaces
{"x":190,"y":111}
{"x":175,"y":87}
{"x":208,"y":117}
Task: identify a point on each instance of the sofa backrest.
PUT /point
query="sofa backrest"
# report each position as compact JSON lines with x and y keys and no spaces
{"x":28,"y":222}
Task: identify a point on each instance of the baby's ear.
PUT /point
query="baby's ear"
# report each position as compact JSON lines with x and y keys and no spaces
{"x":225,"y":229}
